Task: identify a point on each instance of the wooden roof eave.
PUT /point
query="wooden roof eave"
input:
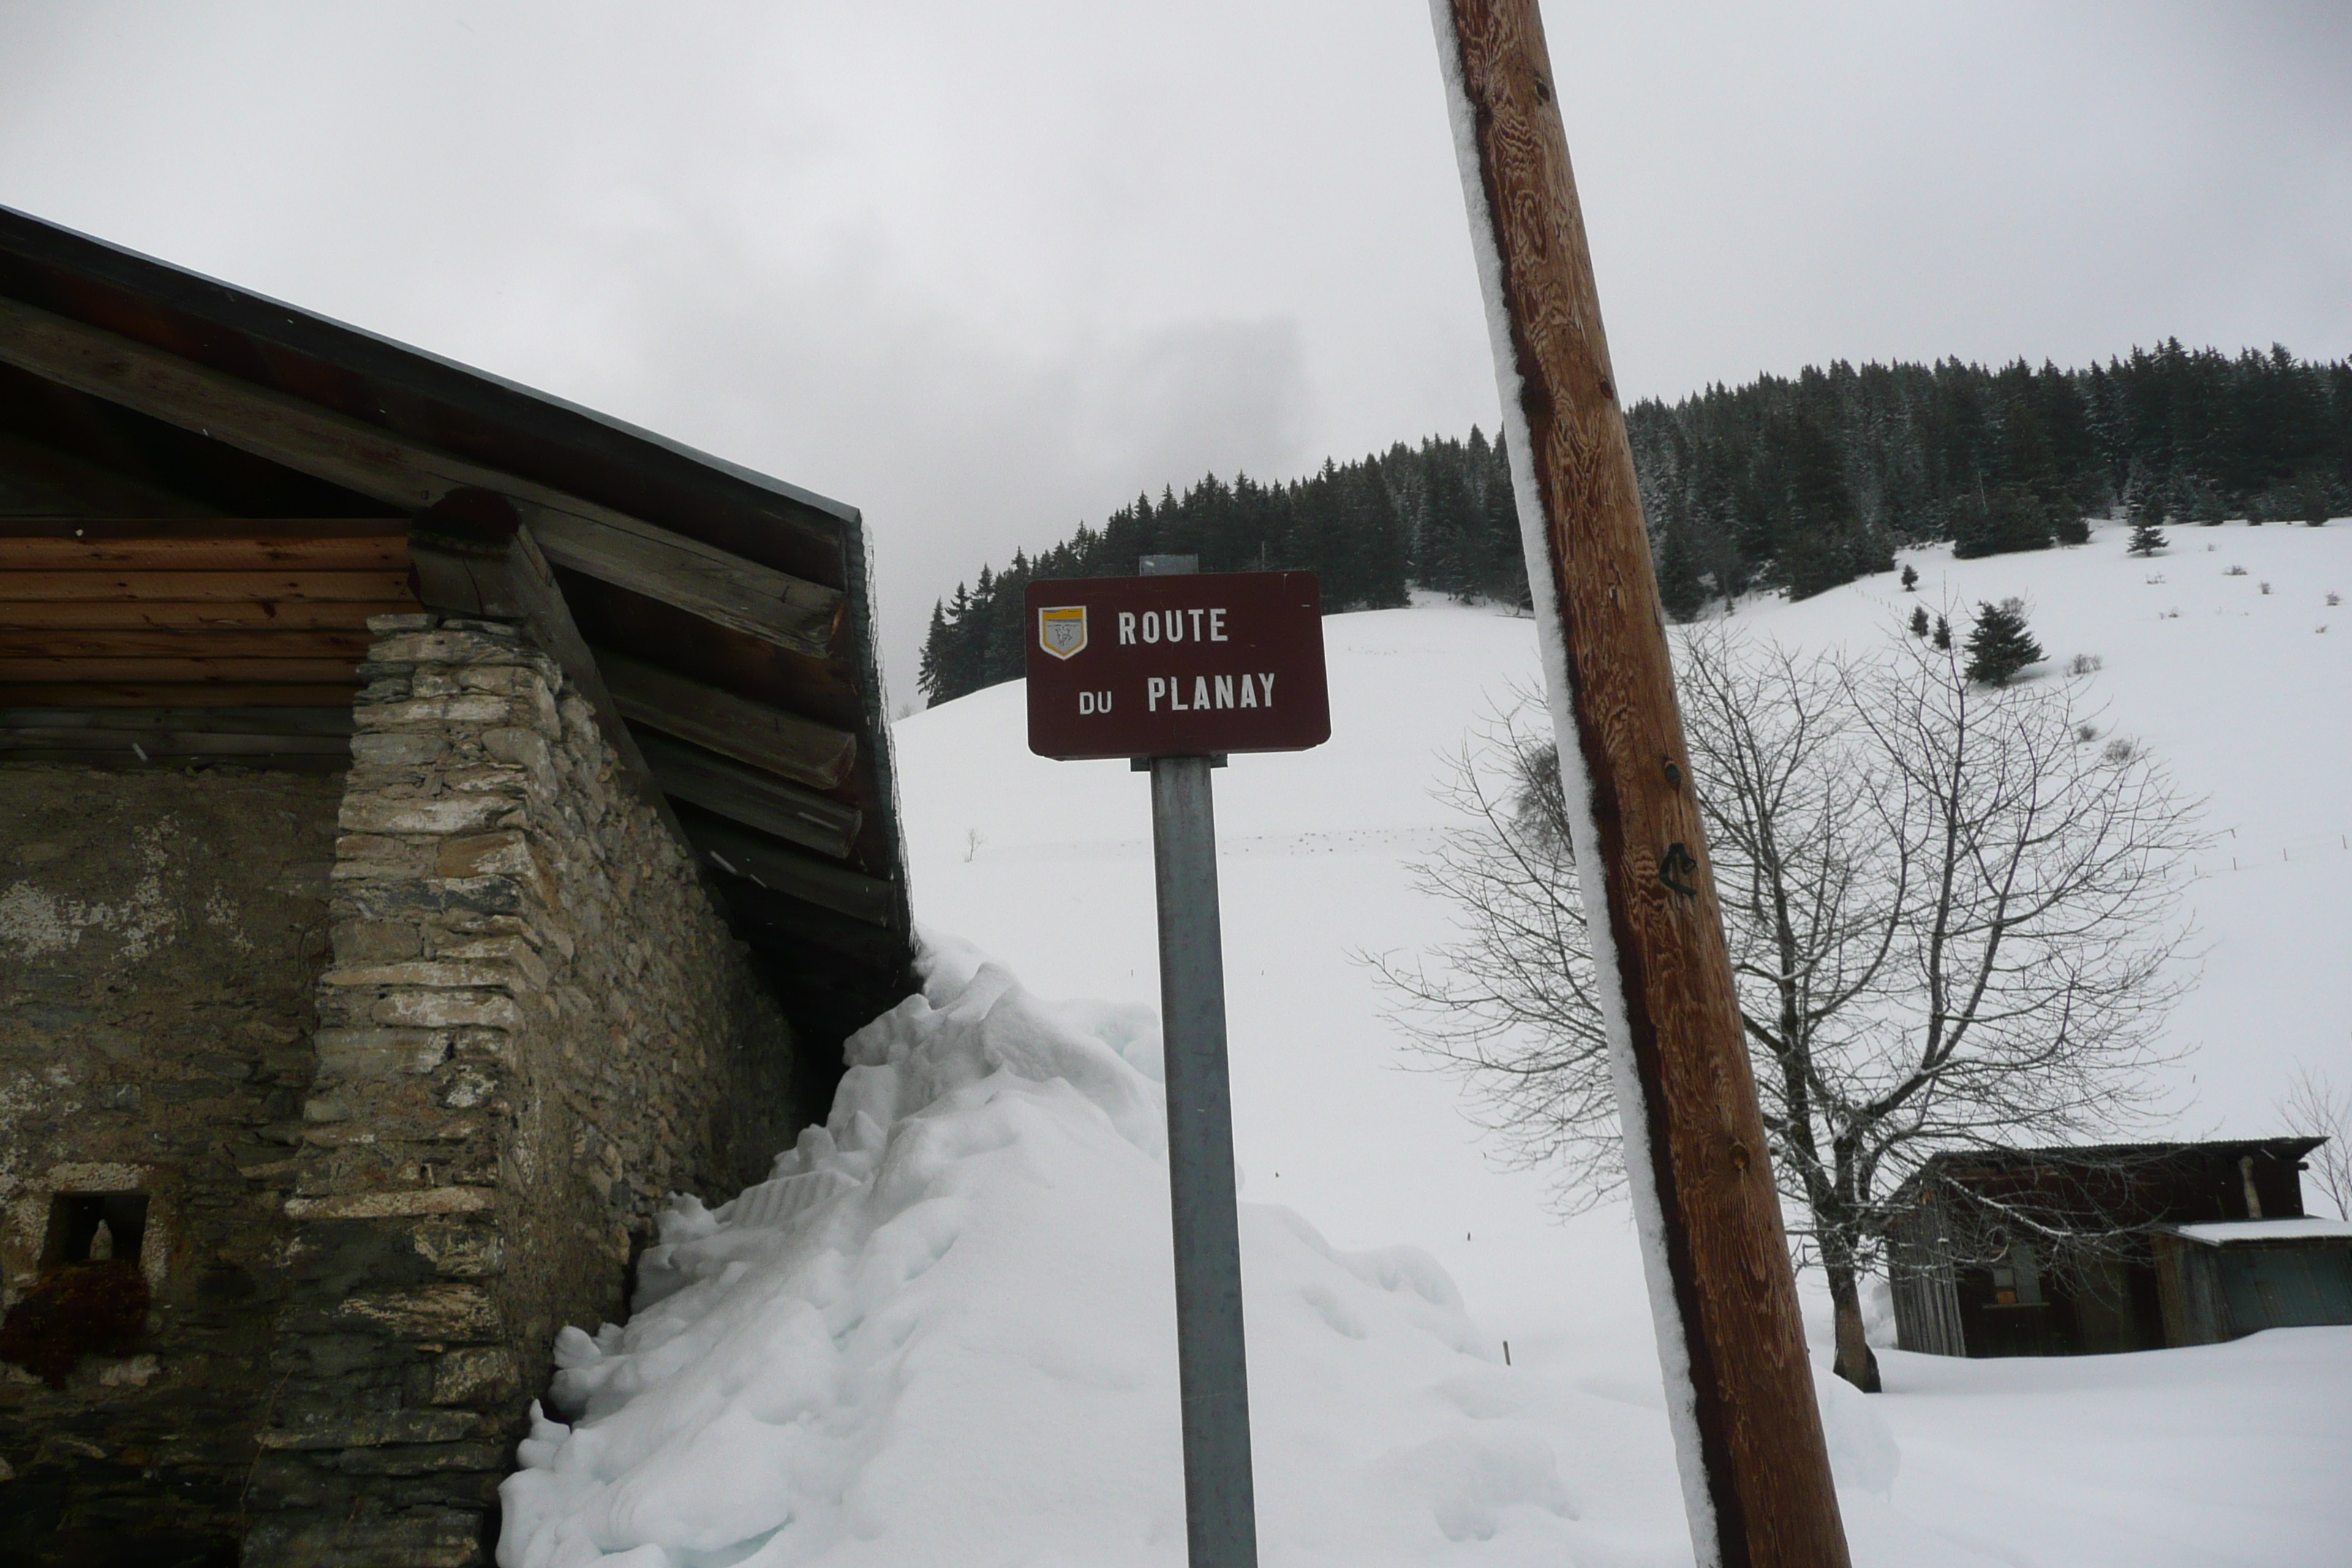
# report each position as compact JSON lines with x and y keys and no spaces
{"x":322,"y":399}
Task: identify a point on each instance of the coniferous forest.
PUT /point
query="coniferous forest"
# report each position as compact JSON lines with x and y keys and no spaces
{"x":1795,"y":485}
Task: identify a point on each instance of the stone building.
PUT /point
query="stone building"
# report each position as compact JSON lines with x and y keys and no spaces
{"x":435,"y":822}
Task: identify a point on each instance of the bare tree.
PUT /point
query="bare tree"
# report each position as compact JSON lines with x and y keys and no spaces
{"x":1952,"y":920}
{"x":2315,"y":1108}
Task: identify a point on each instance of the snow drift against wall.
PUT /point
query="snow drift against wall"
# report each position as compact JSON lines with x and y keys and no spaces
{"x":943,"y":1331}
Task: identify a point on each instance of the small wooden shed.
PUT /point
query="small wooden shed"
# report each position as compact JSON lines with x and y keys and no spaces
{"x":2228,"y":1279}
{"x":2110,"y":1248}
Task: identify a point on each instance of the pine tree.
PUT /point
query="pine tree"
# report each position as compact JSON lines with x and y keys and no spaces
{"x":932,"y":677}
{"x":1919,"y":620}
{"x":1911,"y":581}
{"x":2007,"y":521}
{"x":1943,"y":637}
{"x":1999,"y":645}
{"x":1681,"y":589}
{"x":2146,"y":539}
{"x":2311,"y":500}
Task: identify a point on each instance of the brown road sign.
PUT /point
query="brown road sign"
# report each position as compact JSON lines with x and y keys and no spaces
{"x":1176,"y":666}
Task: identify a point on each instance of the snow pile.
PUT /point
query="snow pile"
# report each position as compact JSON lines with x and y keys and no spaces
{"x":943,"y":1331}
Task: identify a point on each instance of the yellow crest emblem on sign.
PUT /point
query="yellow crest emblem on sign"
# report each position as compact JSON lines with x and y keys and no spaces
{"x":1062,"y":631}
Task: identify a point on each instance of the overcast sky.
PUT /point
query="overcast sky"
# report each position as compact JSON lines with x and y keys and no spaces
{"x":986,"y":269}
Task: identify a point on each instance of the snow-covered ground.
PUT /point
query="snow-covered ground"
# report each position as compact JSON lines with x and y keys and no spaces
{"x":945,"y":1332}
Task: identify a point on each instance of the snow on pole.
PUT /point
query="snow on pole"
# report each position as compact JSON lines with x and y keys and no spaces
{"x":1755,"y":1469}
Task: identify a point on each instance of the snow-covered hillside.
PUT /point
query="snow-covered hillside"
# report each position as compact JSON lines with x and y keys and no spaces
{"x":944,"y":1332}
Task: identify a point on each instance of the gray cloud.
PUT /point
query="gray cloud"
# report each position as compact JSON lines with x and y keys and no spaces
{"x":987,"y":270}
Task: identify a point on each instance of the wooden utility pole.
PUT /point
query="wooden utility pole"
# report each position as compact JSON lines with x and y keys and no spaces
{"x":1756,"y":1474}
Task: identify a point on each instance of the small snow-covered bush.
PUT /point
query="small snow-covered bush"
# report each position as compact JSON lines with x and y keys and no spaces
{"x":2086,"y":664}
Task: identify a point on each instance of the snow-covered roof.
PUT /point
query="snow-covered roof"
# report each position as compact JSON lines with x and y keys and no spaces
{"x":2222,"y":1233}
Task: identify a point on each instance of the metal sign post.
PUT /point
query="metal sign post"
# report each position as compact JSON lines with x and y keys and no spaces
{"x":1220,"y":1497}
{"x":1176,"y":669}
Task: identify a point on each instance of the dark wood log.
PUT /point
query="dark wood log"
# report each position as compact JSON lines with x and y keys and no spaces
{"x":779,"y":867}
{"x":224,"y":551}
{"x":615,"y":617}
{"x":158,"y":694}
{"x":80,"y":744}
{"x":784,"y":743}
{"x":177,"y":587}
{"x":1761,"y":1454}
{"x":209,"y":670}
{"x":149,"y":642}
{"x":332,"y":722}
{"x":729,"y":789}
{"x":298,"y":531}
{"x":756,"y":600}
{"x":785,"y":929}
{"x":59,"y":483}
{"x":409,"y":475}
{"x":222,"y":614}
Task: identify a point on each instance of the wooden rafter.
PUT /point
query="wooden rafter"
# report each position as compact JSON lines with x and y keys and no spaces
{"x":582,"y":536}
{"x":780,"y":869}
{"x":808,"y":753}
{"x":750,"y":796}
{"x":178,"y":615}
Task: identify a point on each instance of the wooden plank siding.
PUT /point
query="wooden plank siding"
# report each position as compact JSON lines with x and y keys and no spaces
{"x":175,"y":612}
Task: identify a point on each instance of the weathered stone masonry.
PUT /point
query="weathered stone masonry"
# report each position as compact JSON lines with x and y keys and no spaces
{"x":161,"y":937}
{"x":529,"y":1028}
{"x":529,"y":991}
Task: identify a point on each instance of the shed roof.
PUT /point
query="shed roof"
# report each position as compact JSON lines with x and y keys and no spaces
{"x":1956,"y":1163}
{"x":2234,"y":1232}
{"x":204,"y":492}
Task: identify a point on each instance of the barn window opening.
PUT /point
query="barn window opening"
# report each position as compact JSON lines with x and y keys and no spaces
{"x":94,"y":1228}
{"x":90,"y":1299}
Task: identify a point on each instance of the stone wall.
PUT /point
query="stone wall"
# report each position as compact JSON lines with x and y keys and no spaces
{"x":534,"y":1027}
{"x":161,"y":933}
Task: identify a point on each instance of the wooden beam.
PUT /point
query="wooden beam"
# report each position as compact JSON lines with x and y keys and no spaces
{"x":583,"y":536}
{"x":149,"y":642}
{"x":787,"y":929}
{"x":784,"y":743}
{"x":289,"y":615}
{"x":129,"y":743}
{"x":273,"y":587}
{"x":60,"y":483}
{"x":50,"y":671}
{"x":238,"y":552}
{"x":757,"y":600}
{"x":756,"y":799}
{"x":156,"y":525}
{"x":475,"y":556}
{"x":158,"y":694}
{"x":781,"y":869}
{"x":1753,"y":1460}
{"x":609,"y":616}
{"x":325,"y":721}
